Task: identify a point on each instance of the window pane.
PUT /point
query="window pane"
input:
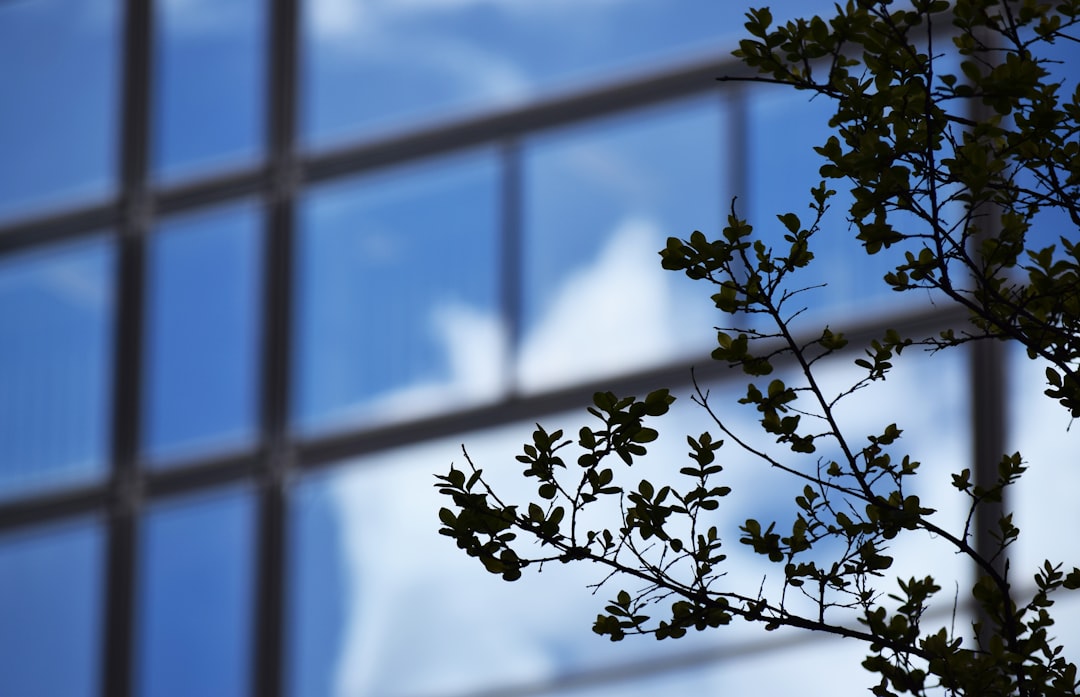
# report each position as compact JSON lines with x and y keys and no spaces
{"x":56,"y":311}
{"x":202,"y":333}
{"x":375,"y":591}
{"x":383,"y":65}
{"x":195,"y":598}
{"x":58,"y":124}
{"x":209,"y":88}
{"x":51,"y":605}
{"x":396,"y":295}
{"x":600,"y":202}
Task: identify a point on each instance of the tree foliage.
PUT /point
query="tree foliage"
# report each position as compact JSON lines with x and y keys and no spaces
{"x":959,"y":141}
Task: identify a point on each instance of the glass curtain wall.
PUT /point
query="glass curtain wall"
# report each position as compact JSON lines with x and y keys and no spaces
{"x":266,"y":264}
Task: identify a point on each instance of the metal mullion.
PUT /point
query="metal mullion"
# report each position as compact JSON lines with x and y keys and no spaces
{"x":134,"y":221}
{"x":987,"y":378}
{"x":282,"y":178}
{"x":217,"y":472}
{"x":36,"y":509}
{"x":48,"y":231}
{"x":215,"y":189}
{"x":511,"y":258}
{"x":737,"y":139}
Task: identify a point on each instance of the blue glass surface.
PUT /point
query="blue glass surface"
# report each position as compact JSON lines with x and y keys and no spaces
{"x":56,"y":336}
{"x":384,"y":65}
{"x":58,"y":124}
{"x":202,"y":324}
{"x":50,"y":636}
{"x":195,"y":604}
{"x":396,"y":310}
{"x":600,"y":201}
{"x":209,"y":86}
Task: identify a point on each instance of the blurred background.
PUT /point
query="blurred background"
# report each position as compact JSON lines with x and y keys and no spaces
{"x":266,"y":264}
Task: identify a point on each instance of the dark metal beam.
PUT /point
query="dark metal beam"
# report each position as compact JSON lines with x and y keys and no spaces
{"x":133,"y":218}
{"x":511,"y":267}
{"x":36,"y":509}
{"x":276,"y":457}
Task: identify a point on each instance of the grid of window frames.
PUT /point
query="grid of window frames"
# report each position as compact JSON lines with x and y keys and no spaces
{"x":197,"y":338}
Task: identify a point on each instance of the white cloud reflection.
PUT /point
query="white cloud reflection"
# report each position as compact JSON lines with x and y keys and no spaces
{"x":611,"y":317}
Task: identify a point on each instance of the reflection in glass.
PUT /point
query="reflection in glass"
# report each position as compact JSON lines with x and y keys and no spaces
{"x":51,"y":608}
{"x":600,"y":202}
{"x":375,"y":591}
{"x":396,"y":308}
{"x":58,"y":123}
{"x":209,"y":86}
{"x":195,"y":603}
{"x":202,"y":322}
{"x":56,"y":324}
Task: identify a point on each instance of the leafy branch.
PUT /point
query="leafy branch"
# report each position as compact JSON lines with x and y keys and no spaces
{"x":947,"y":172}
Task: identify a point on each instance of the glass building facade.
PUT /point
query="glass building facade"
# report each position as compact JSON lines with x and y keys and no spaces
{"x":266,"y":264}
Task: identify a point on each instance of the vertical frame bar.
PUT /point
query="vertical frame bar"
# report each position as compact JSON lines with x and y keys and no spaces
{"x":510,"y":259}
{"x":282,"y":184}
{"x":135,"y":219}
{"x":736,"y":98}
{"x":987,"y":375}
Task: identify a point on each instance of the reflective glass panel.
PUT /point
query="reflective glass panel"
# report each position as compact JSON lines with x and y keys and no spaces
{"x":384,"y":65}
{"x":209,"y":100}
{"x":50,"y":637}
{"x":375,"y":591}
{"x":396,"y":305}
{"x":195,"y":597}
{"x":56,"y":336}
{"x":202,"y":323}
{"x":59,"y":81}
{"x":600,"y":202}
